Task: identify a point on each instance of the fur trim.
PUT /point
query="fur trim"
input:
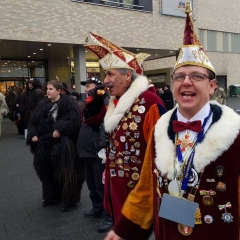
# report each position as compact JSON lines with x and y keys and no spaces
{"x":115,"y":114}
{"x":218,"y":138}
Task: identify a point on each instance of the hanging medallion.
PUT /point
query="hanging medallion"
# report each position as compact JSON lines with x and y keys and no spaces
{"x":207,"y":199}
{"x":184,"y":142}
{"x":226,"y":217}
{"x":184,"y":230}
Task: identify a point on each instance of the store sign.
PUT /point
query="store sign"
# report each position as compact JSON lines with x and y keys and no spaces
{"x":157,"y":78}
{"x":174,"y":7}
{"x":13,"y":71}
{"x":88,"y":64}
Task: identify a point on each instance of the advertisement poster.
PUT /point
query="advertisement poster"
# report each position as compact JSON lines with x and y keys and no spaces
{"x":174,"y":7}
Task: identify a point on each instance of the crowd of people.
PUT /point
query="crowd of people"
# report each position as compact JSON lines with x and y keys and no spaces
{"x":149,"y":165}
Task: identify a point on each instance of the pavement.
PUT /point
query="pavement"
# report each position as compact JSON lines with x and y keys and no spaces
{"x":22,"y":216}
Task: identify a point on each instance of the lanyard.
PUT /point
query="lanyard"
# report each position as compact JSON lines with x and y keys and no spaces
{"x":189,"y":162}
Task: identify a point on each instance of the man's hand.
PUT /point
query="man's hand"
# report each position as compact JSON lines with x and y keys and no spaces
{"x":112,"y":236}
{"x":35,"y":139}
{"x":56,"y":134}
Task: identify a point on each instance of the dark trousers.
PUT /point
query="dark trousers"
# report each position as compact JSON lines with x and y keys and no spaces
{"x":93,"y":171}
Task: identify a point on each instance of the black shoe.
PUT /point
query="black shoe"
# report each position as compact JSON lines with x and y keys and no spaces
{"x":68,"y":207}
{"x":105,"y":227}
{"x":91,"y":214}
{"x":46,"y":203}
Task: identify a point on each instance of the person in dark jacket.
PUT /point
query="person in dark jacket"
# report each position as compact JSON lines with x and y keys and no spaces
{"x":168,"y":97}
{"x":32,"y":96}
{"x":89,"y":151}
{"x":52,"y":133}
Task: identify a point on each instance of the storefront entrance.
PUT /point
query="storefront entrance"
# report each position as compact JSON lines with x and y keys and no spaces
{"x":13,"y":73}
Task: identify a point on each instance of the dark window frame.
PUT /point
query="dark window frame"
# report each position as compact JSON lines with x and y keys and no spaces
{"x":139,"y":5}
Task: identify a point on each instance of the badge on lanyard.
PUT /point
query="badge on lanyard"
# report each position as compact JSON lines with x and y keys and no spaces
{"x":178,"y":210}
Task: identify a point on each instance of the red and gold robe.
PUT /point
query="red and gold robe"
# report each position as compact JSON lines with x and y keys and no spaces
{"x":220,"y":147}
{"x":129,"y":122}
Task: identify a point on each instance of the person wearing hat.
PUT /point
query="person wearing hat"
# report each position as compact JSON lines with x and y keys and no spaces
{"x":32,"y":96}
{"x":65,"y":89}
{"x":189,"y":184}
{"x":89,"y":148}
{"x":132,"y":112}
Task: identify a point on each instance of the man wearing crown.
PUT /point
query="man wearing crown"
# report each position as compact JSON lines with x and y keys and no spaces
{"x":180,"y":192}
{"x":132,"y":112}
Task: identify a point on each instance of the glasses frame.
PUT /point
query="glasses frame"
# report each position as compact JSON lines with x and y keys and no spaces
{"x":190,"y":77}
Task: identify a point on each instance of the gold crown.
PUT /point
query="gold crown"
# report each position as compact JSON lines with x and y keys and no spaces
{"x":192,"y":52}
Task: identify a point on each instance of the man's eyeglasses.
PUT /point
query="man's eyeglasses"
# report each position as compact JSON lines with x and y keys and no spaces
{"x":194,"y":77}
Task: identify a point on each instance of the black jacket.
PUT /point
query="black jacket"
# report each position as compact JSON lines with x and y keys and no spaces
{"x":88,"y":139}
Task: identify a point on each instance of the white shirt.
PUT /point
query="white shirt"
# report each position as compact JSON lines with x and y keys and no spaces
{"x":201,"y":115}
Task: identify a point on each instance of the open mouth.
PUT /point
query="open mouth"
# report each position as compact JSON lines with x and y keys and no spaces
{"x":187,"y":95}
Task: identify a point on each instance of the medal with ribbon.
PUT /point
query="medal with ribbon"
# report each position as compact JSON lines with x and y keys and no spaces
{"x":207,"y":199}
{"x":226,"y":217}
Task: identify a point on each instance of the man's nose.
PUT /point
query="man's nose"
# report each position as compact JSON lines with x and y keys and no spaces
{"x":106,"y":80}
{"x":187,"y":81}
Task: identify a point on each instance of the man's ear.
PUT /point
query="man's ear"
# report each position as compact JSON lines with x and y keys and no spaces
{"x":129,"y":75}
{"x":213,"y":86}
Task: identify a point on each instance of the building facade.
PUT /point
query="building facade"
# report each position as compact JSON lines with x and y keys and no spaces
{"x":44,"y":39}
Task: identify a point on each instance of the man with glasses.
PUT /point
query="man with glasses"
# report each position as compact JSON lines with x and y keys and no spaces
{"x":189,"y":184}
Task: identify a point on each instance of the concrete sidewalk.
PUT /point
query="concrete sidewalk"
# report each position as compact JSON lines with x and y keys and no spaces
{"x":22,"y":216}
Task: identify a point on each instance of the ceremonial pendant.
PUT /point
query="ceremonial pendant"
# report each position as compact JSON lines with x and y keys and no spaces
{"x":184,"y":230}
{"x":184,"y":142}
{"x":227,"y":217}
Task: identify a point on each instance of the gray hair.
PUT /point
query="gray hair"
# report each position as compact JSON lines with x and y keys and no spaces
{"x":124,"y":71}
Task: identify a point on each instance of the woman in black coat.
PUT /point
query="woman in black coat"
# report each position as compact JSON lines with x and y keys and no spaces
{"x":52,"y":133}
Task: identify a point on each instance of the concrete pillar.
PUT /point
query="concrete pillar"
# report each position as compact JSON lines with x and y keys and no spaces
{"x":79,"y":68}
